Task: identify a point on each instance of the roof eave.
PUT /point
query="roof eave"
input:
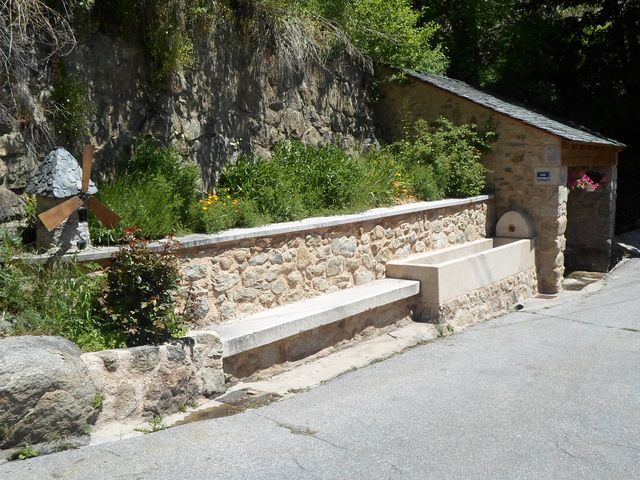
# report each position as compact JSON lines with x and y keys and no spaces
{"x":619,"y":146}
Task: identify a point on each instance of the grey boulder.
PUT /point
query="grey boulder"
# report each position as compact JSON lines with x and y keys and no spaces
{"x":45,"y":391}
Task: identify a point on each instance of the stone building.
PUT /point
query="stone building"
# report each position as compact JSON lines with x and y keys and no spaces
{"x":528,"y":168}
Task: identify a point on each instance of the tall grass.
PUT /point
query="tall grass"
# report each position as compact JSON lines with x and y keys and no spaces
{"x":55,"y":299}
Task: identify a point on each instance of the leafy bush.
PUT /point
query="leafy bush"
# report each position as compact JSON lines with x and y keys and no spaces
{"x":267,"y":184}
{"x":298,"y":181}
{"x":383,"y":179}
{"x":54,"y":299}
{"x":327,"y":177}
{"x":139,"y":301}
{"x":133,"y":304}
{"x":221,"y":212}
{"x":150,"y":158}
{"x":443,"y":159}
{"x":146,"y":202}
{"x":386,"y":30}
{"x":157,"y":193}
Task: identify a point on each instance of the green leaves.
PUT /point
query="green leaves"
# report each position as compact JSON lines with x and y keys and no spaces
{"x":157,"y":193}
{"x":139,"y":303}
{"x":388,"y":30}
{"x":442,"y":159}
{"x":299,"y":180}
{"x":56,"y":299}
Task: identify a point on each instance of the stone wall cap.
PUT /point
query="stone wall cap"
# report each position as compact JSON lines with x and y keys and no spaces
{"x":59,"y":176}
{"x":203,"y":241}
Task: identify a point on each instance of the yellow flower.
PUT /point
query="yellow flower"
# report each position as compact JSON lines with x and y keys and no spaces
{"x":235,"y":202}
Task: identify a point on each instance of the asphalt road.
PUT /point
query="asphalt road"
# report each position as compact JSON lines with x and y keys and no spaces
{"x":546,"y":394}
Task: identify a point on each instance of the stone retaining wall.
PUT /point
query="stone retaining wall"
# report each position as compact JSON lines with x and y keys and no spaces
{"x":242,"y":276}
{"x":155,"y":380}
{"x":487,"y":302}
{"x":239,"y":272}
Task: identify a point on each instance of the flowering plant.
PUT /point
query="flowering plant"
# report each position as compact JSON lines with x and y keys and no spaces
{"x":588,"y":180}
{"x":218,"y":199}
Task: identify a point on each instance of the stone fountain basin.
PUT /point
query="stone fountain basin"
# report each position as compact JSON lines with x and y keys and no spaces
{"x":455,"y":271}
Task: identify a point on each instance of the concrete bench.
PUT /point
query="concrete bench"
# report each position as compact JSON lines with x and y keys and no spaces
{"x":287,"y":321}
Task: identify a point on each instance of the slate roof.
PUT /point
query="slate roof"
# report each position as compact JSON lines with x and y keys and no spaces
{"x":59,"y":176}
{"x":573,"y":133}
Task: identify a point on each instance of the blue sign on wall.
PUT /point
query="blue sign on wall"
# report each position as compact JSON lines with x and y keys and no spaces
{"x":543,"y":176}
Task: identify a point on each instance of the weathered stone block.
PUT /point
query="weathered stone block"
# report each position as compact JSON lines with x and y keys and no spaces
{"x":224,"y":282}
{"x":44,"y":390}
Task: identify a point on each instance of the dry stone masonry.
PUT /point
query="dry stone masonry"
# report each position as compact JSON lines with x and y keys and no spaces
{"x":236,"y":100}
{"x":242,"y":277}
{"x":155,"y":380}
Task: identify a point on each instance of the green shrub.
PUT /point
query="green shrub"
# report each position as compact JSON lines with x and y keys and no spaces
{"x":298,"y":181}
{"x":139,"y":304}
{"x":266,"y":183}
{"x":327,"y":177}
{"x":388,"y":31}
{"x":71,"y":106}
{"x":150,"y":158}
{"x":132,"y":304}
{"x":383,"y":179}
{"x":146,"y":202}
{"x":221,"y":212}
{"x":55,"y":299}
{"x":443,"y":159}
{"x":156,"y":193}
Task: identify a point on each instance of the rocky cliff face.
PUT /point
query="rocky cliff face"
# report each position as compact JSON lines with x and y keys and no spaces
{"x":237,"y":98}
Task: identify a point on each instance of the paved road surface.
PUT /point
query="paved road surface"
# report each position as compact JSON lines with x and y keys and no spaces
{"x":547,"y":394}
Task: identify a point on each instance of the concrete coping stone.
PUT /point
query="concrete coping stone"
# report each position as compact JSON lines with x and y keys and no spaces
{"x":289,"y":320}
{"x":204,"y":241}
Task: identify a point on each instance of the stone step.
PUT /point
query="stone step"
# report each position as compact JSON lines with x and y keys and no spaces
{"x":287,"y":321}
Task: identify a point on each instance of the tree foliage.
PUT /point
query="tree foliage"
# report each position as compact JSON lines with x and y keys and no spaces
{"x":577,"y":59}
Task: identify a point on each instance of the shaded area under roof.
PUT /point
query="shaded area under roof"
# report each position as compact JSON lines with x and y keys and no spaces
{"x":537,"y":120}
{"x":59,"y":176}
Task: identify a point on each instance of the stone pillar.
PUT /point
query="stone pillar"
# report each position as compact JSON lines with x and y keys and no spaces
{"x":551,"y":224}
{"x":526,"y":172}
